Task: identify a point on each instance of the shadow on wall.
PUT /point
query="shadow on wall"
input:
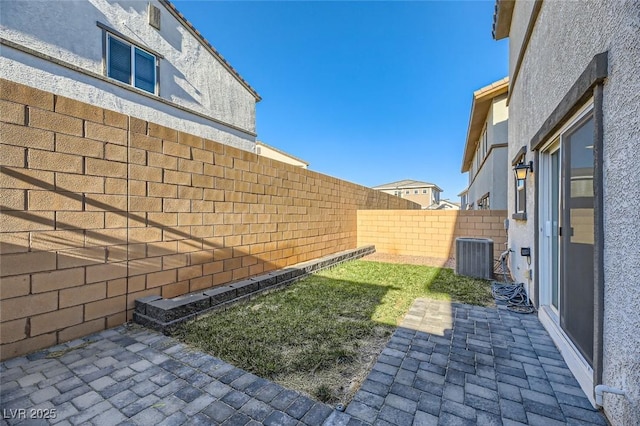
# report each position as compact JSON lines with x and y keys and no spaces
{"x":100,"y":208}
{"x":83,"y":279}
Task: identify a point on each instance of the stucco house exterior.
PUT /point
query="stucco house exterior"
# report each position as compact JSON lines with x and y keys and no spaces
{"x":278,"y":154}
{"x":424,"y":193}
{"x":138,"y":58}
{"x":574,"y":125}
{"x":485,"y":150}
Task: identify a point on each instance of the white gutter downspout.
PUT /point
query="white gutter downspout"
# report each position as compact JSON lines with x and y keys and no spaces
{"x":601,"y":389}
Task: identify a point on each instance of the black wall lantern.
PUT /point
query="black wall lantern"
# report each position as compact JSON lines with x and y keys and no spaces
{"x":522,"y":169}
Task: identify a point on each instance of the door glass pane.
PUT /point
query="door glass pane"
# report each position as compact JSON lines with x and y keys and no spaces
{"x":576,"y":301}
{"x":119,"y":60}
{"x":145,"y":71}
{"x":582,"y":184}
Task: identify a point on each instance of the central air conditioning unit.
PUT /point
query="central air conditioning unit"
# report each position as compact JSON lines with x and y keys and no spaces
{"x":474,"y":257}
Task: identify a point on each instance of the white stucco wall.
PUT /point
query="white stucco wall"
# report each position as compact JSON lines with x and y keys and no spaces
{"x":189,"y":76}
{"x":566,"y":37}
{"x":492,"y":175}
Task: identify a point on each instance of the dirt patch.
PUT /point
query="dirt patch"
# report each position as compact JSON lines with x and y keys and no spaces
{"x":339,"y":383}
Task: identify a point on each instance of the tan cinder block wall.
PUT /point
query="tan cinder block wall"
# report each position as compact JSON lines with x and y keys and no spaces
{"x":430,"y":233}
{"x":99,"y":209}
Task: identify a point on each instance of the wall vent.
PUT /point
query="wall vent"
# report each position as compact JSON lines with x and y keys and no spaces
{"x":474,"y":257}
{"x":154,"y":16}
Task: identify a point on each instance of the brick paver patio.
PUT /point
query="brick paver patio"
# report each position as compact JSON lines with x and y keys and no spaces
{"x":447,"y":364}
{"x":455,"y":364}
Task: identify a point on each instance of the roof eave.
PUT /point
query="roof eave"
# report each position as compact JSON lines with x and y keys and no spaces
{"x":391,"y":188}
{"x":286,"y":154}
{"x":479,"y":109}
{"x":409,"y":186}
{"x":502,"y":18}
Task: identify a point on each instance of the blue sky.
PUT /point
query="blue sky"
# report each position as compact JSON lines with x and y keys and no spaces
{"x":369,"y":92}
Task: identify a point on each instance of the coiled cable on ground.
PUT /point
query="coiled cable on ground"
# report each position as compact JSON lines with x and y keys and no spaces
{"x":512,"y":293}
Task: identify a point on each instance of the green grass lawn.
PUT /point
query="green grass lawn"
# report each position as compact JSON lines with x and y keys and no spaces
{"x":325,"y":321}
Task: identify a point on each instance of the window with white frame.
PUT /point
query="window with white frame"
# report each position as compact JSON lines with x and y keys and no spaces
{"x":130,"y":64}
{"x":485,"y":141}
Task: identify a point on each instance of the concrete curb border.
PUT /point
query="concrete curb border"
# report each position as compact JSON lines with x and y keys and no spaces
{"x":164,"y":315}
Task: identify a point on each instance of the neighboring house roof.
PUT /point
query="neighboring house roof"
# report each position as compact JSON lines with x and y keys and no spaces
{"x":286,"y":154}
{"x":180,"y":17}
{"x":451,"y":203}
{"x":479,"y":109}
{"x":464,"y":191}
{"x":443,"y":205}
{"x":502,"y":18}
{"x":407,"y":184}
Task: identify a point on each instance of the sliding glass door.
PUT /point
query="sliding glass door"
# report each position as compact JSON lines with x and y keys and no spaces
{"x":577,"y":237}
{"x":567,"y":232}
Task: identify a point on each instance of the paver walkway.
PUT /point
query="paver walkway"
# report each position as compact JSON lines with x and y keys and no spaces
{"x":135,"y":376}
{"x":448,"y":364}
{"x":455,"y":364}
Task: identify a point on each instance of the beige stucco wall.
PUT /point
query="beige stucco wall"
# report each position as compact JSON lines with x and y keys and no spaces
{"x":566,"y":37}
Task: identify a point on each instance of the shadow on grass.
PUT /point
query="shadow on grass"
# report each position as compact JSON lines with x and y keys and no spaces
{"x":327,"y":320}
{"x":309,"y":326}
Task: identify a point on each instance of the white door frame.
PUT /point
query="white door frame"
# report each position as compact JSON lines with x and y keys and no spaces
{"x":549,"y":316}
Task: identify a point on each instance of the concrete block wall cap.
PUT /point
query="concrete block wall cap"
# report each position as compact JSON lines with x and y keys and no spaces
{"x":165,"y":314}
{"x":188,"y":297}
{"x":265,"y":280}
{"x":170,"y":309}
{"x":282,"y":275}
{"x":219,"y":290}
{"x":242,"y":283}
{"x":245,"y":287}
{"x":162,"y":304}
{"x":140,"y":305}
{"x":221,"y":294}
